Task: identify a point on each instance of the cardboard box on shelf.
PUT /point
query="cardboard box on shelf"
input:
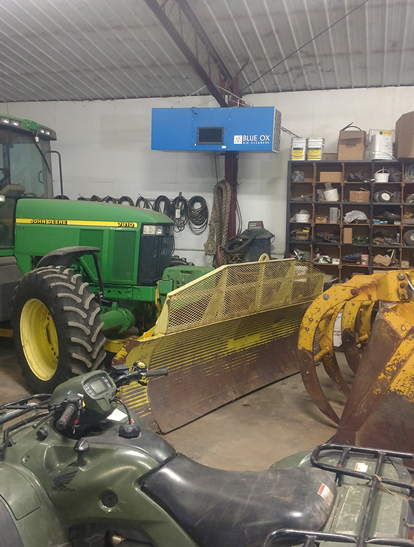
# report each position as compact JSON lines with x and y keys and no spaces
{"x":404,"y":136}
{"x":381,"y":260}
{"x":405,"y":264}
{"x":360,"y":196}
{"x":330,"y":156}
{"x":302,"y":234}
{"x":351,"y":145}
{"x":330,"y":176}
{"x":347,"y":235}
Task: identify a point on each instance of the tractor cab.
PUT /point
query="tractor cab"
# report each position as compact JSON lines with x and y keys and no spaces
{"x":25,"y":169}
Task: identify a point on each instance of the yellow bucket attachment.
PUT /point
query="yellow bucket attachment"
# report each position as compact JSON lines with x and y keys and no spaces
{"x":356,"y":300}
{"x":221,"y":336}
{"x":379,"y":411}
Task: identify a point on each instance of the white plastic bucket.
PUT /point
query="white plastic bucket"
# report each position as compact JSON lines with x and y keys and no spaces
{"x":382,"y":175}
{"x":298,"y":149}
{"x":302,"y":217}
{"x":331,"y":194}
{"x":315,"y":148}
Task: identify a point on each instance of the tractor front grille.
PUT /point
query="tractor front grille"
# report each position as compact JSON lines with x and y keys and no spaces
{"x":154,"y":256}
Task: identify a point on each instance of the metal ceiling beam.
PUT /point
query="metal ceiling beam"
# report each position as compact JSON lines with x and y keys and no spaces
{"x":202,"y":35}
{"x":227,"y":81}
{"x":189,"y":55}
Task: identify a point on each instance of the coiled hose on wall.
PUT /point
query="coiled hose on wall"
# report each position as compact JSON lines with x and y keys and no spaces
{"x":197,"y":214}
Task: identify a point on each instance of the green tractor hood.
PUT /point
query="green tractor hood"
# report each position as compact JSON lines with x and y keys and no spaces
{"x":45,"y":225}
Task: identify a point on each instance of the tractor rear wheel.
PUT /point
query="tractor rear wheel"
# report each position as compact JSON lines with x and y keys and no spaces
{"x":56,"y":327}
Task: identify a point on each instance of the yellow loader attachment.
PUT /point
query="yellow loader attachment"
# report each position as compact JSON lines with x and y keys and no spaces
{"x":356,"y":299}
{"x":355,"y":327}
{"x":379,"y":411}
{"x":221,"y":336}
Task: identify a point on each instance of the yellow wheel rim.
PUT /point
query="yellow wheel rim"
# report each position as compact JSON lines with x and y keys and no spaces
{"x":39,"y":339}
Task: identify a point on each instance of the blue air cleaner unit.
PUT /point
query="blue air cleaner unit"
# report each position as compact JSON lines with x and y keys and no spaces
{"x":239,"y":129}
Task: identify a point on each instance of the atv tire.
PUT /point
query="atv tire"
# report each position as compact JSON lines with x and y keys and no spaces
{"x":56,"y":327}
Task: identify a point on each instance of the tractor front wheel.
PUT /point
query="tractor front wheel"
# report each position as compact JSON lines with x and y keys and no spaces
{"x":56,"y":327}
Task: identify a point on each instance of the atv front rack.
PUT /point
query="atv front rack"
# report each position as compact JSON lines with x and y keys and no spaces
{"x":375,"y":480}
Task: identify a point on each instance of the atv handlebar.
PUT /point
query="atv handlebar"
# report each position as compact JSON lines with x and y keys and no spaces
{"x":81,"y":400}
{"x":67,"y":414}
{"x":139,"y":372}
{"x":158,"y":372}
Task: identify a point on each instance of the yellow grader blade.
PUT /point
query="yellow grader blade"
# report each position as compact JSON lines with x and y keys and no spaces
{"x":222,"y":336}
{"x":379,"y":411}
{"x":357,"y":299}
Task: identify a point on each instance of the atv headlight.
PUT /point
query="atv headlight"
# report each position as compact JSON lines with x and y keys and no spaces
{"x":153,"y":230}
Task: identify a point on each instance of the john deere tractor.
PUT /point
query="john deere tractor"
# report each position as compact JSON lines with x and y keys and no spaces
{"x":72,"y":270}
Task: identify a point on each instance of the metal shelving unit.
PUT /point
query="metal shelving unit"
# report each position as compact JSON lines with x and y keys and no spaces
{"x":318,"y":237}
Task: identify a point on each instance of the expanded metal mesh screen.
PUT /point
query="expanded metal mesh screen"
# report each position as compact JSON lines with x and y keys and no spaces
{"x":239,"y":290}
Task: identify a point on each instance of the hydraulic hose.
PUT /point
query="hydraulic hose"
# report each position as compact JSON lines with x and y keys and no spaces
{"x":197,"y":214}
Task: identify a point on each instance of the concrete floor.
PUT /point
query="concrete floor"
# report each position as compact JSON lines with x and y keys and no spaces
{"x":250,"y":433}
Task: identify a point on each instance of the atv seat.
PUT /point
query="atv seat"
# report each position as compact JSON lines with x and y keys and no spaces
{"x":240,"y":508}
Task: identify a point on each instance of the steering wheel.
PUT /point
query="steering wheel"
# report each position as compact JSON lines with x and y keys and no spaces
{"x":6,"y":175}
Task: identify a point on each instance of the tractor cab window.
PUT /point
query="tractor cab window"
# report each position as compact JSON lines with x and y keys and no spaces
{"x":24,"y":173}
{"x":24,"y":165}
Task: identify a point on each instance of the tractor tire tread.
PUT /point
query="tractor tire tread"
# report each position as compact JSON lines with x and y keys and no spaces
{"x":95,"y":334}
{"x":93,"y":317}
{"x":61,"y":284}
{"x":80,"y":326}
{"x":82,"y":288}
{"x":81,"y":342}
{"x":98,"y":349}
{"x":88,"y":301}
{"x":70,"y":296}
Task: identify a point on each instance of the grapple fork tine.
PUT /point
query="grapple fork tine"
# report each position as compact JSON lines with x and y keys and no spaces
{"x":326,"y":342}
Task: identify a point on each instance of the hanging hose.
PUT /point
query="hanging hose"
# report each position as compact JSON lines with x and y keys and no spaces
{"x":197,"y":214}
{"x":163,"y":205}
{"x":180,"y":212}
{"x":219,"y":223}
{"x":143,"y":203}
{"x":126,"y":199}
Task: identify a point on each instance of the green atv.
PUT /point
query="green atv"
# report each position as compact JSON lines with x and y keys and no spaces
{"x":79,"y":470}
{"x":80,"y":269}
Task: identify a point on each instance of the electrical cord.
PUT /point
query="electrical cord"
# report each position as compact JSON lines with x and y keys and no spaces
{"x":197,"y":214}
